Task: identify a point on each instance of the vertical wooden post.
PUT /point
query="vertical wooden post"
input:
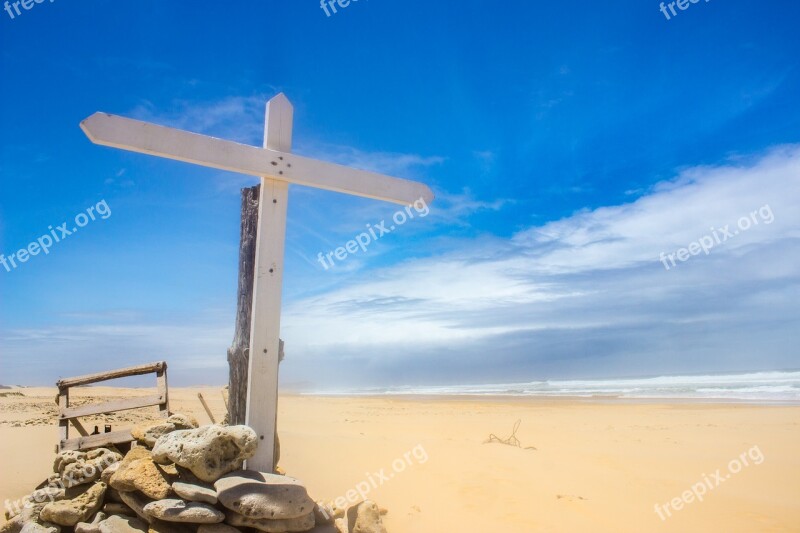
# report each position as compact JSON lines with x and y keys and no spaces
{"x":238,"y":353}
{"x":163,"y":390}
{"x":262,"y":391}
{"x":63,"y":423}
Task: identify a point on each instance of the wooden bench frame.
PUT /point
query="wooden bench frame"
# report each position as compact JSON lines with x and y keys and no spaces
{"x":69,"y":415}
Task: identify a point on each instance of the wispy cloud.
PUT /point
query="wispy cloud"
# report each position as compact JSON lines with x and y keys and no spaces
{"x":236,"y":118}
{"x":581,"y":296}
{"x":395,"y":164}
{"x":592,"y":280}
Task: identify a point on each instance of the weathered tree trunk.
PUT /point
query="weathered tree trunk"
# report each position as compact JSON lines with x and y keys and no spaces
{"x":239,"y":352}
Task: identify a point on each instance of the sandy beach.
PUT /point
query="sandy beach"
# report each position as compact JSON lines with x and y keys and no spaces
{"x":581,"y":465}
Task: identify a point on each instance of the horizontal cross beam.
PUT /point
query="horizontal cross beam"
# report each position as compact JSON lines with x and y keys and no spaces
{"x":171,"y":143}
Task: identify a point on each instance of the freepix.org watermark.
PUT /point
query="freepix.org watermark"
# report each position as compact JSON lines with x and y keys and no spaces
{"x":329,"y":6}
{"x":375,"y":232}
{"x":376,"y":479}
{"x":718,"y":236}
{"x":683,"y":5}
{"x":699,"y":489}
{"x":56,"y":488}
{"x":56,"y":235}
{"x":12,"y":8}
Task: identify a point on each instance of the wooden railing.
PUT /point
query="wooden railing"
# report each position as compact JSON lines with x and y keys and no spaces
{"x":69,"y":415}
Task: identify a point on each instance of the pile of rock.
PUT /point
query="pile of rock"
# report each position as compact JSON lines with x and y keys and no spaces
{"x":180,"y":478}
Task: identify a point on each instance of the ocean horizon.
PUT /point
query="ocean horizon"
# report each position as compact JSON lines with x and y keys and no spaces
{"x":767,"y":386}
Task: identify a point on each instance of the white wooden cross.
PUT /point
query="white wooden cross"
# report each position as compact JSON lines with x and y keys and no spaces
{"x":277,"y":168}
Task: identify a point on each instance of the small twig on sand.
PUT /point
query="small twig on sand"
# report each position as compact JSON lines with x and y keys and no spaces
{"x":510,"y":441}
{"x":205,"y":406}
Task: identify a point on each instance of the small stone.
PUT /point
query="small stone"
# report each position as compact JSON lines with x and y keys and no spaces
{"x":159,"y":526}
{"x":301,"y":523}
{"x":105,"y":477}
{"x":217,"y":528}
{"x":260,"y":495}
{"x":137,"y":471}
{"x":174,"y":510}
{"x":137,"y":502}
{"x":122,"y":524}
{"x":170,"y":470}
{"x":341,"y":525}
{"x":365,"y":518}
{"x":324,"y":514}
{"x":118,"y":508}
{"x":209,"y":452}
{"x":36,"y":527}
{"x":32,"y":513}
{"x":14,"y":525}
{"x":78,"y":509}
{"x":148,"y":435}
{"x":183,"y":421}
{"x":65,"y":458}
{"x":93,"y":526}
{"x":194,"y":492}
{"x":79,"y":468}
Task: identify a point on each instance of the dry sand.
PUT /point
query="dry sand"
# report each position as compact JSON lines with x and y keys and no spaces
{"x":598,"y":465}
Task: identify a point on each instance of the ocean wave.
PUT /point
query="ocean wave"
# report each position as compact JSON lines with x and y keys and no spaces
{"x":756,"y":386}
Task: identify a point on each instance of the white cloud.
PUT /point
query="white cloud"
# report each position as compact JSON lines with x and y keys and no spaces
{"x":581,"y":296}
{"x":596,"y":273}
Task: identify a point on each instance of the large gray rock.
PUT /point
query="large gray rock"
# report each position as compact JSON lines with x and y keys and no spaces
{"x":78,"y":509}
{"x":122,"y":524}
{"x":173,"y":510}
{"x":209,"y":452}
{"x":260,"y":495}
{"x":148,"y":435}
{"x":301,"y":523}
{"x":194,"y":492}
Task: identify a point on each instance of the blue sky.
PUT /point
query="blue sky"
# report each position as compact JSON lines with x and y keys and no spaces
{"x":569,"y":144}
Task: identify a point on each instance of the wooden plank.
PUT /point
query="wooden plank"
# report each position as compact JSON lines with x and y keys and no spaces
{"x":78,"y":426}
{"x":112,"y":374}
{"x":271,"y":162}
{"x":63,"y":424}
{"x":262,"y":391}
{"x":108,"y":407}
{"x":163,"y":391}
{"x":95,"y":441}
